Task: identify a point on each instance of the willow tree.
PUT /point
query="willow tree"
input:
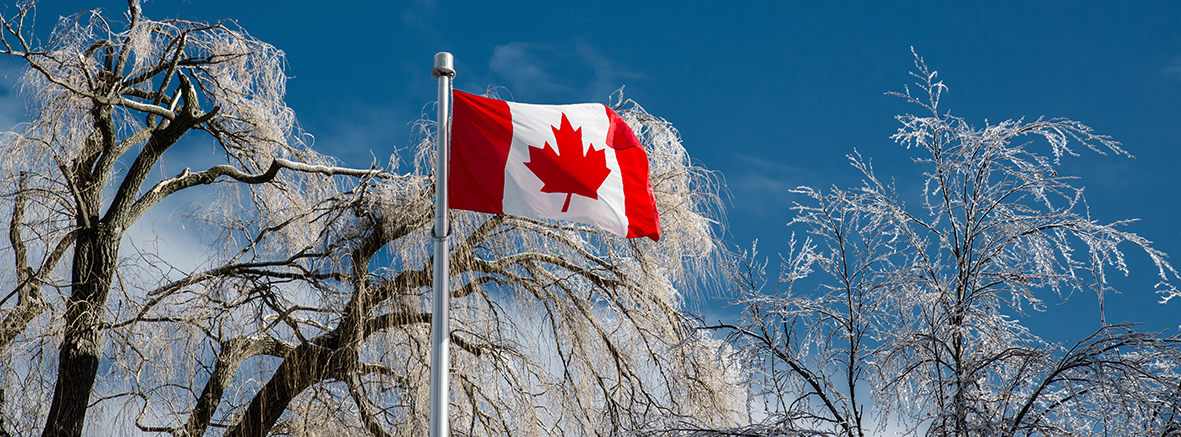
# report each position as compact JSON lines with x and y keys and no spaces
{"x":309,"y":315}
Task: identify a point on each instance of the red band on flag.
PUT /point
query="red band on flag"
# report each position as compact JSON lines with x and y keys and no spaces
{"x":642,"y":219}
{"x":481,"y":134}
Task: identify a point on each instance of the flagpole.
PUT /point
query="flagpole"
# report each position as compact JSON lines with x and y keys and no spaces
{"x":444,"y":71}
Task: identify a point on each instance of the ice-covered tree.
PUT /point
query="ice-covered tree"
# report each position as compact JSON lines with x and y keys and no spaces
{"x":308,"y":314}
{"x":918,"y":304}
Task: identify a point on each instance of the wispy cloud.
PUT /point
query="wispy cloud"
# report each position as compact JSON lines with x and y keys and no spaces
{"x":764,"y":187}
{"x":359,"y":133}
{"x":420,"y":17}
{"x":575,"y":71}
{"x":526,"y":67}
{"x":1174,"y":69}
{"x":609,"y":75}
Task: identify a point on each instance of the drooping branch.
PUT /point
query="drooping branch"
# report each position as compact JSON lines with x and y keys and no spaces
{"x":30,"y":303}
{"x":28,"y":291}
{"x":1098,"y":360}
{"x":363,"y":406}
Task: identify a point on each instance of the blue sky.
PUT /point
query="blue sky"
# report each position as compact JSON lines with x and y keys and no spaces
{"x":772,"y":95}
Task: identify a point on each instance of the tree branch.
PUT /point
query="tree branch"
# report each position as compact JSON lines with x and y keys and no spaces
{"x":233,"y":353}
{"x":187,"y":179}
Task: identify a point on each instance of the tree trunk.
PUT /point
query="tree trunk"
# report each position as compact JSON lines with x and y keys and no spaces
{"x":94,"y":263}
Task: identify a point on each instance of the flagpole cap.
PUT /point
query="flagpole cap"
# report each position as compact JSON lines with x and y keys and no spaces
{"x":444,"y":65}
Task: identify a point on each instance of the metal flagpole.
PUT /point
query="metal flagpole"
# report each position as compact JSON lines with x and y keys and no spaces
{"x":444,"y":71}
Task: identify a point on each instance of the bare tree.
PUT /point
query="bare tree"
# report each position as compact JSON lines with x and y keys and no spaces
{"x":310,"y":315}
{"x":917,"y":306}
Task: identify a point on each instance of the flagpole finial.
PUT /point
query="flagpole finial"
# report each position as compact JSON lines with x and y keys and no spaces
{"x":444,"y":65}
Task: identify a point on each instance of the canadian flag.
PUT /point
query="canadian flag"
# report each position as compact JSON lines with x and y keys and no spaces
{"x":580,"y":163}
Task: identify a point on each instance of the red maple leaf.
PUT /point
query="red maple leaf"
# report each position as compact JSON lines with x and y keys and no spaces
{"x":567,"y":170}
